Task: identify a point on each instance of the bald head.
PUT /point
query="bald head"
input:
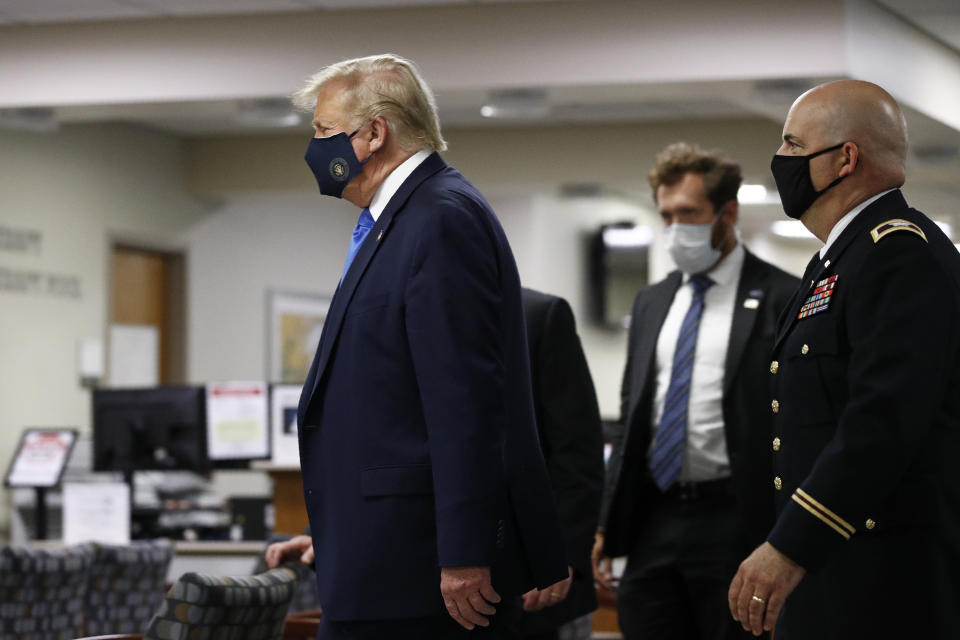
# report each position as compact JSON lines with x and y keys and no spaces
{"x":863,"y":113}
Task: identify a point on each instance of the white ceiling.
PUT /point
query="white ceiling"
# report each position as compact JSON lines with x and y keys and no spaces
{"x":940,"y":18}
{"x":935,"y":145}
{"x":54,"y":11}
{"x":643,"y":102}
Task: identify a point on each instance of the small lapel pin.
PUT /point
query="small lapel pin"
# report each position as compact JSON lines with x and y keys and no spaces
{"x":380,"y":236}
{"x":751,"y":303}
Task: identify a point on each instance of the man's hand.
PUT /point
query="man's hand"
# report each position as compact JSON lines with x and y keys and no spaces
{"x":761,"y":586}
{"x":467,"y":594}
{"x":602,"y":565}
{"x":537,"y":599}
{"x":296,"y":548}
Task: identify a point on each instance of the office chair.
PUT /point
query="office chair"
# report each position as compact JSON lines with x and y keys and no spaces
{"x":126,"y":586}
{"x":42,"y":592}
{"x":226,"y":608}
{"x":306,"y":598}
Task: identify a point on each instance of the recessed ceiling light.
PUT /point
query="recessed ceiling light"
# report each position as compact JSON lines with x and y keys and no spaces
{"x":752,"y":194}
{"x":518,"y":104}
{"x":267,"y":112}
{"x":791,"y":229}
{"x":624,"y":237}
{"x":36,"y":119}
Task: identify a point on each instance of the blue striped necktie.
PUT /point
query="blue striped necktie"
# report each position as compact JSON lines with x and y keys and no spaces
{"x":670,"y":439}
{"x":364,"y":224}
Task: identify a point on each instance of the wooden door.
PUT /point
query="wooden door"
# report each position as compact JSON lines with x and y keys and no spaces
{"x":146,"y":289}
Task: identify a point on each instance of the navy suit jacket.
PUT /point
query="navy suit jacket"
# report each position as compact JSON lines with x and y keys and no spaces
{"x":418,"y":444}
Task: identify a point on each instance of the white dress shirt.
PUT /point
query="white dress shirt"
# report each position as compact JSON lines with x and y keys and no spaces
{"x":705,"y":456}
{"x":393,"y":181}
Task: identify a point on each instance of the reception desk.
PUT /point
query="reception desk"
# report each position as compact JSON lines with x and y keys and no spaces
{"x":289,"y":511}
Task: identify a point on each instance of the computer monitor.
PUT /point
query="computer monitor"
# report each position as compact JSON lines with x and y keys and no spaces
{"x":155,"y":429}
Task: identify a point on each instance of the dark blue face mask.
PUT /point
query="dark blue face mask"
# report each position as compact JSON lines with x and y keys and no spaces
{"x":792,"y":175}
{"x":333,"y":162}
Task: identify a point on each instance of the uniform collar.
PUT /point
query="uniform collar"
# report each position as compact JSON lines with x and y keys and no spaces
{"x":392,"y":182}
{"x":845,"y":221}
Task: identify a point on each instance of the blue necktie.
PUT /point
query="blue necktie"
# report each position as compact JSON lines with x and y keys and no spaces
{"x":666,"y":458}
{"x":364,"y":224}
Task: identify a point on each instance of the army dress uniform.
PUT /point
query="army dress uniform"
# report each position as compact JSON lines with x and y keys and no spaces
{"x":866,"y":439}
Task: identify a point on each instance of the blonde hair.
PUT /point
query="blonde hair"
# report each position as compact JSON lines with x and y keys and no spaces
{"x":388,"y":86}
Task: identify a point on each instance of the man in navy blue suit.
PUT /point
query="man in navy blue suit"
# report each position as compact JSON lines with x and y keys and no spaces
{"x":425,"y":487}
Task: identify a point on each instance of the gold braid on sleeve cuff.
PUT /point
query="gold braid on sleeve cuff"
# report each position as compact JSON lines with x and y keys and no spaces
{"x":827,"y":516}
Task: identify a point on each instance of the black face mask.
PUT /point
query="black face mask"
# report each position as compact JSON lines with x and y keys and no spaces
{"x":333,"y":162}
{"x":792,"y":175}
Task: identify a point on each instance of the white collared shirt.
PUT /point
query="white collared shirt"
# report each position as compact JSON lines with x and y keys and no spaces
{"x":845,"y":221}
{"x":705,"y":457}
{"x":393,"y":181}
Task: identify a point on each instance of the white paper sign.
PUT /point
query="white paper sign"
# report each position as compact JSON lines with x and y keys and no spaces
{"x":284,"y":399}
{"x":96,"y":512}
{"x":237,"y":420}
{"x":41,"y":458}
{"x":134,"y":355}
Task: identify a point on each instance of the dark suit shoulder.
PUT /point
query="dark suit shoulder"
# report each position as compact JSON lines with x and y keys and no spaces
{"x":537,"y":301}
{"x":449,"y":187}
{"x":536,"y":307}
{"x":542,"y":309}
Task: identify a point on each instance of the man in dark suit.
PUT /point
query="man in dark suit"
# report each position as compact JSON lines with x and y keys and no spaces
{"x":426,"y":491}
{"x":865,"y":404}
{"x":571,"y":437}
{"x":687,"y":484}
{"x":570,"y":434}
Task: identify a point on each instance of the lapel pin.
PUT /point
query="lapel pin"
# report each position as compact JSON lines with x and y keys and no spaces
{"x":380,"y":236}
{"x":751,"y":303}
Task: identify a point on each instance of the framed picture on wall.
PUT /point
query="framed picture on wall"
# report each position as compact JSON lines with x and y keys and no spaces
{"x":294,"y":323}
{"x":285,"y":448}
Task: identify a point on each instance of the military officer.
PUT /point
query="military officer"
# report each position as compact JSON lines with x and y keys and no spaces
{"x":865,"y":376}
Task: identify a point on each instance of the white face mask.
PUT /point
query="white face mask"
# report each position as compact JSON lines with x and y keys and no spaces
{"x":689,"y":246}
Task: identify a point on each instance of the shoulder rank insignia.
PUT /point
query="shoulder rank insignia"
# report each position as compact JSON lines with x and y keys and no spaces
{"x":819,"y":299}
{"x":896,"y":225}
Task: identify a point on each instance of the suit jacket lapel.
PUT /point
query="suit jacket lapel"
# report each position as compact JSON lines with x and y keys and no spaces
{"x":341,"y":300}
{"x":750,"y":288}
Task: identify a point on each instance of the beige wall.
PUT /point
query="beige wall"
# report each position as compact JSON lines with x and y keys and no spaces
{"x":246,"y":211}
{"x":273,"y":229}
{"x":79,"y":187}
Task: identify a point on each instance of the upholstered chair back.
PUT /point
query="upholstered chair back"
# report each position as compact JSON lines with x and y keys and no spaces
{"x":42,"y":592}
{"x":127,"y":586}
{"x":225,"y":608}
{"x":306,"y":597}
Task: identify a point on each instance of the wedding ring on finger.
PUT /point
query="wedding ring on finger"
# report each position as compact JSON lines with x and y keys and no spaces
{"x":758,"y":599}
